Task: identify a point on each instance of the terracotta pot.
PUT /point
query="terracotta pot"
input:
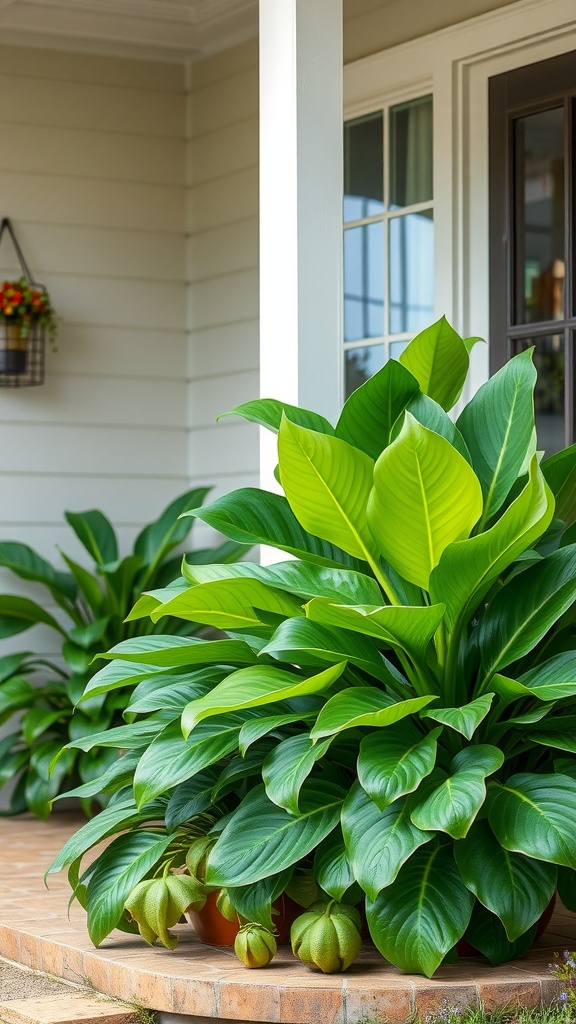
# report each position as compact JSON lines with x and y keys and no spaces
{"x":465,"y":949}
{"x":215,"y":930}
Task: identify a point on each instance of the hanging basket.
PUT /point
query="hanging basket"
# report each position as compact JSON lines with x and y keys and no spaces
{"x":22,"y":349}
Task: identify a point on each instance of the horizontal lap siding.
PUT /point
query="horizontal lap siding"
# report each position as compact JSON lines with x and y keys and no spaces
{"x":222,"y":218}
{"x":93,"y":175}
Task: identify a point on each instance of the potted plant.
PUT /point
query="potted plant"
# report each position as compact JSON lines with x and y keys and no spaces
{"x":38,"y":694}
{"x":390,"y":714}
{"x":24,"y":308}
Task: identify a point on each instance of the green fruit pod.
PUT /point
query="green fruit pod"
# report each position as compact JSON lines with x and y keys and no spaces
{"x":327,"y":937}
{"x":255,"y":945}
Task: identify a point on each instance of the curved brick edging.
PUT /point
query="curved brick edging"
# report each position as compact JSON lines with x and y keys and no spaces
{"x":208,"y":982}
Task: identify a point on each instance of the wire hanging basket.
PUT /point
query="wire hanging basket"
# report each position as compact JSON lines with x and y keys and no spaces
{"x":22,"y":340}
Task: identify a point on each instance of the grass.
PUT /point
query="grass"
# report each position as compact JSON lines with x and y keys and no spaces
{"x":475,"y":1015}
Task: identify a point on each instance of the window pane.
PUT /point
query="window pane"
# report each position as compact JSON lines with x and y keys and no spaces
{"x":539,"y":227}
{"x":411,"y":152}
{"x":549,"y":402}
{"x":364,"y":282}
{"x":360,"y":364}
{"x":363,"y":167}
{"x":411,"y":272}
{"x":397,"y":348}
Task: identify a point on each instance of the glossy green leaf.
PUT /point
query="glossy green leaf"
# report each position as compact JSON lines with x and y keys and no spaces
{"x":402,"y":628}
{"x":287,"y":766}
{"x":438,"y":359}
{"x":536,"y":815}
{"x":465,"y":719}
{"x":268,"y":412}
{"x":190,"y":798}
{"x":394,"y":763}
{"x":486,"y":933}
{"x":253,"y":516}
{"x":525,"y":609}
{"x":431,"y":415}
{"x":417,"y":919}
{"x":255,"y":687}
{"x":229,"y":604}
{"x":378,"y":842}
{"x":363,"y":706}
{"x":369,"y":414}
{"x":327,"y":483}
{"x":560,"y":473}
{"x":29,"y":565}
{"x":261,"y":839}
{"x":254,"y":730}
{"x":425,"y":497}
{"x":95,"y":533}
{"x":468,"y":568}
{"x":514,"y":887}
{"x":20,"y":613}
{"x":332,"y":868}
{"x":177,"y":651}
{"x":497,"y":425}
{"x":452,"y":805}
{"x":117,"y":871}
{"x":297,"y":577}
{"x":308,"y":643}
{"x":160,"y":537}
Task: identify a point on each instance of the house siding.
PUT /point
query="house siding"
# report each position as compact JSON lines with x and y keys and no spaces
{"x":93,"y":175}
{"x":222,"y":224}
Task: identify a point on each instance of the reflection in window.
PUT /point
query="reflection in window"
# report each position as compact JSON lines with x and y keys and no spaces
{"x":364,"y":282}
{"x":361,"y":363}
{"x":363,"y":167}
{"x":411,"y":272}
{"x":411,"y":153}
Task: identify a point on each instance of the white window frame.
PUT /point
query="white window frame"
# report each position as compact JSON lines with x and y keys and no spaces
{"x":454,"y":65}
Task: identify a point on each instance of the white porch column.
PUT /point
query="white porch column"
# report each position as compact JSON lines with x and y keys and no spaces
{"x":300,"y":208}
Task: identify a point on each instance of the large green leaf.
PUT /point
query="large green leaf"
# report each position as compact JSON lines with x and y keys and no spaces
{"x":468,"y":568}
{"x":417,"y":919}
{"x":287,"y":767}
{"x":176,"y":695}
{"x":452,"y":805}
{"x":229,"y":604}
{"x":170,"y":759}
{"x":20,"y":613}
{"x":431,"y":415}
{"x":555,"y":677}
{"x":177,"y":651}
{"x":497,"y":425}
{"x":332,"y":868}
{"x":511,"y":689}
{"x":297,"y":577}
{"x":254,"y":730}
{"x":191,"y":798}
{"x":487,"y":934}
{"x":536,"y":815}
{"x":308,"y":643}
{"x":465,"y":719}
{"x":525,"y":609}
{"x":378,"y":842}
{"x":253,"y":516}
{"x":514,"y":887}
{"x":268,"y":412}
{"x":402,"y":628}
{"x":425,"y":497}
{"x":96,"y":534}
{"x":261,"y":839}
{"x":117,"y":871}
{"x":158,"y":538}
{"x":327,"y":483}
{"x":363,"y":706}
{"x":29,"y":565}
{"x":394,"y":763}
{"x":560,"y":473}
{"x":371,"y":411}
{"x":438,"y":359}
{"x":255,"y":686}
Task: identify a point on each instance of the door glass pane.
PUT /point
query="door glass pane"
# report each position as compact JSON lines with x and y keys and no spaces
{"x":411,"y":152}
{"x":363,"y":167}
{"x":411,"y":272}
{"x":360,"y":364}
{"x":549,"y":401}
{"x":364,"y":282}
{"x":539,"y":221}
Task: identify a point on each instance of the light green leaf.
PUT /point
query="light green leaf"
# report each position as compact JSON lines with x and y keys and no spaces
{"x":255,"y":686}
{"x":497,"y":426}
{"x":327,"y":483}
{"x":308,"y":643}
{"x":431,"y":415}
{"x":363,"y":706}
{"x":332,"y":868}
{"x":394,"y":763}
{"x":468,"y":568}
{"x":514,"y":887}
{"x":371,"y":411}
{"x":252,"y":731}
{"x":560,"y":473}
{"x":177,"y":651}
{"x":465,"y":719}
{"x":268,"y":412}
{"x":536,"y":815}
{"x":378,"y":842}
{"x":297,"y":577}
{"x":287,"y":767}
{"x":417,"y":919}
{"x":425,"y":497}
{"x":229,"y":604}
{"x":401,"y":628}
{"x":261,"y":839}
{"x":438,"y":359}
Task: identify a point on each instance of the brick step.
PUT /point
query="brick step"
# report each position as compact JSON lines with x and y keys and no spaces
{"x":68,"y":1007}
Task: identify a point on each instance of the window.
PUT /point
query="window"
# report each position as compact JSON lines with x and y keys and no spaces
{"x":388,"y":234}
{"x":532,"y":233}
